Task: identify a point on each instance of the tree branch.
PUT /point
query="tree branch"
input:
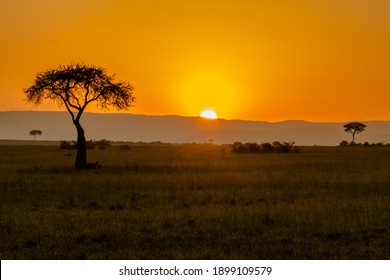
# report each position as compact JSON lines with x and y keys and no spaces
{"x":67,"y":107}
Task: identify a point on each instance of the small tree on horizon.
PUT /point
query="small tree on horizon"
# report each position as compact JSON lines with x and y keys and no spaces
{"x":35,"y":132}
{"x":76,"y":86}
{"x":354,"y":128}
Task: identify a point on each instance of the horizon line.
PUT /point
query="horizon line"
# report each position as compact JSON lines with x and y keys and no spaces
{"x":181,"y":116}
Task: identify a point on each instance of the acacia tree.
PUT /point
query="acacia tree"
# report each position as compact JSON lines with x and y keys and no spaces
{"x":76,"y":86}
{"x":35,"y":133}
{"x":354,"y":128}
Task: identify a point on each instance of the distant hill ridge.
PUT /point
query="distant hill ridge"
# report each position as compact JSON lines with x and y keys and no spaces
{"x":176,"y":129}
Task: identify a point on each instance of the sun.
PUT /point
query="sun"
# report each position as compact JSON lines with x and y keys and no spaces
{"x":209,"y":114}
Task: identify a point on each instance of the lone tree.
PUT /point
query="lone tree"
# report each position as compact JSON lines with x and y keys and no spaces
{"x":35,"y":133}
{"x":76,"y":86}
{"x":354,"y":128}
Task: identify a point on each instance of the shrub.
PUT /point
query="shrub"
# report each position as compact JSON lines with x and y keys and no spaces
{"x":103,"y":143}
{"x":267,"y":147}
{"x":67,"y":145}
{"x":252,"y":148}
{"x":72,"y":145}
{"x":285,"y":147}
{"x":125,"y":147}
{"x":238,"y":147}
{"x":344,"y":143}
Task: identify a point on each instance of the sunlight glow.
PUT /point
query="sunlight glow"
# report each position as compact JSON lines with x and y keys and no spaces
{"x":251,"y":60}
{"x":208,"y":84}
{"x":209,"y":114}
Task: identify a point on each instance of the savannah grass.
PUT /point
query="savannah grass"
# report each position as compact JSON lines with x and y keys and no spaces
{"x":195,"y":202}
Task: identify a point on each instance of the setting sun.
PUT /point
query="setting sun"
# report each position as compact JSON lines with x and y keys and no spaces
{"x":248,"y":60}
{"x":208,"y":114}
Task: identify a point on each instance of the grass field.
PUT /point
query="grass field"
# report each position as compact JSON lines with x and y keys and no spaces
{"x":195,"y":202}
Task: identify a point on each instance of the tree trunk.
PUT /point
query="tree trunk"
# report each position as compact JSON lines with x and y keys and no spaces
{"x":81,"y":157}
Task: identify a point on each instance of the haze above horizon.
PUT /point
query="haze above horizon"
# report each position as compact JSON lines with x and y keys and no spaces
{"x":312,"y":60}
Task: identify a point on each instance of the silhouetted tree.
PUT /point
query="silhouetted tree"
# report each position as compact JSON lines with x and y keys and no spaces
{"x":76,"y":86}
{"x":238,"y":147}
{"x":253,"y":148}
{"x":354,"y":128}
{"x":35,"y":133}
{"x":267,"y":147}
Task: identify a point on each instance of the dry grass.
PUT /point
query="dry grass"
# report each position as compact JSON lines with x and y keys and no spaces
{"x":195,"y":202}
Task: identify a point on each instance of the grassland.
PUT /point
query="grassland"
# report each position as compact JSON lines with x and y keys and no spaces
{"x":195,"y":202}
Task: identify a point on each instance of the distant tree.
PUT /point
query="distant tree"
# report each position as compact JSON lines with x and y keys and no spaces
{"x":76,"y":86}
{"x":253,"y":148}
{"x":354,"y":128}
{"x":238,"y":147}
{"x":35,"y":133}
{"x":267,"y":147}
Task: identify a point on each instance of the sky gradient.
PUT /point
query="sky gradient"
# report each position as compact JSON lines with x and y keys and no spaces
{"x":247,"y":59}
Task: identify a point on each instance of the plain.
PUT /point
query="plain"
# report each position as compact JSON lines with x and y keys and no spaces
{"x":156,"y":201}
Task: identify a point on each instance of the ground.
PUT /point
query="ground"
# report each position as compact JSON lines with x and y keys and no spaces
{"x":156,"y":201}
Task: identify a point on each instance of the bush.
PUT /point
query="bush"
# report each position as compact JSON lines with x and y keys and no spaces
{"x":72,"y":145}
{"x":286,"y":147}
{"x":252,"y":148}
{"x":125,"y":147}
{"x":68,"y":145}
{"x":344,"y":143}
{"x":103,"y":143}
{"x":365,"y":144}
{"x":267,"y":147}
{"x":238,"y":147}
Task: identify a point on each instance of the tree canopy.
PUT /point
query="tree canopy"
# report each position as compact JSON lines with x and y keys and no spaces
{"x":354,"y":128}
{"x":35,"y":132}
{"x":76,"y":86}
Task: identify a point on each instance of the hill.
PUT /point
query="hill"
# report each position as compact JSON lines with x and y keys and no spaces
{"x":176,"y":129}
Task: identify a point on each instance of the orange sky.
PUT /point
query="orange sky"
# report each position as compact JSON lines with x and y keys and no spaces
{"x":315,"y":60}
